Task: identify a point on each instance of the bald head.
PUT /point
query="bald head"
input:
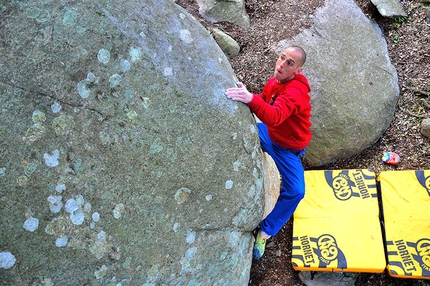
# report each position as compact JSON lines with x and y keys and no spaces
{"x":302,"y":59}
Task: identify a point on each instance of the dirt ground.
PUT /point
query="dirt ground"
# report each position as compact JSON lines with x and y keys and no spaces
{"x":408,"y":41}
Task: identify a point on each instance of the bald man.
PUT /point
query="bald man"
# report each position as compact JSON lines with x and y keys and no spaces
{"x":284,"y":109}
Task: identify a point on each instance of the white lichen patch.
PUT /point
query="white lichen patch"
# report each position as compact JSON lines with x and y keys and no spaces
{"x":51,"y":160}
{"x":77,"y":217}
{"x":185,"y":260}
{"x":31,"y":224}
{"x":156,"y":146}
{"x":81,"y":30}
{"x":129,"y":94}
{"x":127,"y":263}
{"x":61,"y":241}
{"x":74,"y":208}
{"x":252,"y":128}
{"x":117,"y":211}
{"x":168,"y":71}
{"x":258,"y":179}
{"x":125,"y":65}
{"x":56,"y":107}
{"x":91,"y":78}
{"x":55,"y":203}
{"x":47,"y":282}
{"x":236,"y":165}
{"x":83,"y":89}
{"x":175,"y":227}
{"x":208,"y":197}
{"x":7,"y":260}
{"x":80,"y":200}
{"x":101,"y":272}
{"x":38,"y":116}
{"x":252,"y":192}
{"x":135,"y":54}
{"x":182,"y":195}
{"x":71,"y":205}
{"x":229,"y":184}
{"x":70,"y":18}
{"x":103,"y":56}
{"x":60,"y":188}
{"x":2,"y":171}
{"x":95,"y":217}
{"x":191,"y":237}
{"x":115,"y":80}
{"x":87,"y":207}
{"x":101,"y":235}
{"x":185,"y":36}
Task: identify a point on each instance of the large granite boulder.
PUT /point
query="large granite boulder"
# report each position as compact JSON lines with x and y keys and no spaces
{"x":123,"y":163}
{"x":224,"y":10}
{"x":390,"y":8}
{"x":354,"y":86}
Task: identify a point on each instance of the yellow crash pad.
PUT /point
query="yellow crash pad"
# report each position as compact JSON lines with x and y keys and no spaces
{"x":406,"y":208}
{"x":336,"y":226}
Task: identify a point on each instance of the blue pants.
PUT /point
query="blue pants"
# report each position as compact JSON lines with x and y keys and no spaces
{"x":292,"y":190}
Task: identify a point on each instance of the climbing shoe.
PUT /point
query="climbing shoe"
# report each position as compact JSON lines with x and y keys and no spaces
{"x":259,"y":245}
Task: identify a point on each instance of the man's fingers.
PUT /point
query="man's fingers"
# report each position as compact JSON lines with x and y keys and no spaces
{"x":238,"y":93}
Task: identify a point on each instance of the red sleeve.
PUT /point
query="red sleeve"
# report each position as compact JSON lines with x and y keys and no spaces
{"x":276,"y":114}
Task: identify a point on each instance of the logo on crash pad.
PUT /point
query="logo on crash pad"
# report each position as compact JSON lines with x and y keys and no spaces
{"x":423,"y":180}
{"x":321,"y":252}
{"x":408,"y":258}
{"x":352,"y":184}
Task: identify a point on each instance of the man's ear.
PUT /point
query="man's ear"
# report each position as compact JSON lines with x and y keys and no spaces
{"x":299,"y":70}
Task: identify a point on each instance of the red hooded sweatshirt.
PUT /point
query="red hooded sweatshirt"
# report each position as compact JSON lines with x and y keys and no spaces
{"x":285,"y":109}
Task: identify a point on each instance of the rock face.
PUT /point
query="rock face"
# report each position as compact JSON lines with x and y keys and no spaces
{"x":122,"y":160}
{"x":389,"y":8}
{"x":224,"y":10}
{"x":354,"y":85}
{"x":425,"y":127}
{"x":230,"y":47}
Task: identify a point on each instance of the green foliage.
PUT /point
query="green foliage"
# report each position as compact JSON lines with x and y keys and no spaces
{"x":399,"y":19}
{"x":397,"y":22}
{"x":395,"y":39}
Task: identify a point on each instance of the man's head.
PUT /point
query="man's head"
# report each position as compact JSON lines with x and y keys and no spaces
{"x":289,"y":63}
